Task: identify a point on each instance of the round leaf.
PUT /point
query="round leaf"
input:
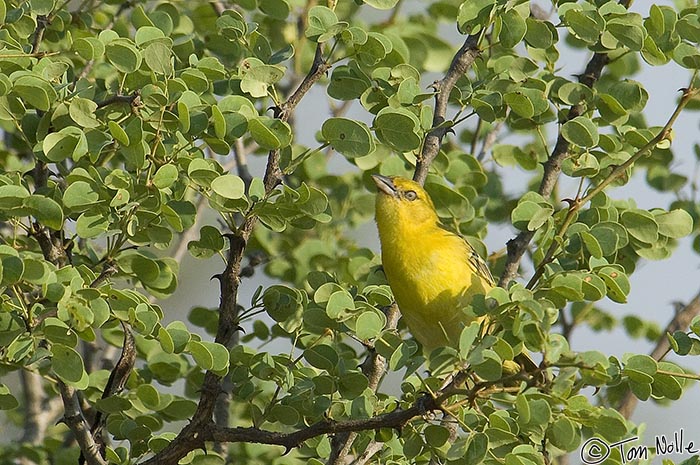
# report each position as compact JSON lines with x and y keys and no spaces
{"x":349,"y":137}
{"x":229,"y":186}
{"x":581,"y":131}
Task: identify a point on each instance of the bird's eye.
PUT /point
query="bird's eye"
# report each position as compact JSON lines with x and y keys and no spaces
{"x":411,"y":195}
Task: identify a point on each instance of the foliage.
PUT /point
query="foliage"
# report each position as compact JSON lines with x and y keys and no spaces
{"x":125,"y":124}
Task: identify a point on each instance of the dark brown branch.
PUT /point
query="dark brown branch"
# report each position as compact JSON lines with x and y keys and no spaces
{"x":552,"y":168}
{"x":680,"y":322}
{"x":191,"y":436}
{"x":115,"y":384}
{"x":461,"y":62}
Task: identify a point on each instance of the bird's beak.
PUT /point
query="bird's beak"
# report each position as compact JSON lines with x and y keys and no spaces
{"x":385,"y":185}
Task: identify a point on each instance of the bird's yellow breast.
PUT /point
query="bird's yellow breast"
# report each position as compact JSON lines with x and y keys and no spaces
{"x":429,"y":272}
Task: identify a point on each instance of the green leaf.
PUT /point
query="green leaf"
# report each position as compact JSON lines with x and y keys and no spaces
{"x":369,"y":325}
{"x":322,"y":356}
{"x":149,"y":396}
{"x":473,"y":15}
{"x":12,"y":270}
{"x":581,"y":131}
{"x":257,"y":79}
{"x":124,"y":55}
{"x":270,"y":133}
{"x":165,"y":176}
{"x":610,"y":425}
{"x":229,"y":186}
{"x":529,"y":215}
{"x":666,"y":385}
{"x":628,"y":30}
{"x":82,"y":111}
{"x":349,"y":137}
{"x":12,"y":196}
{"x":285,"y":414}
{"x":89,"y":48}
{"x":348,"y":82}
{"x":436,"y":435}
{"x":376,"y":48}
{"x":527,"y":103}
{"x":540,"y":34}
{"x":145,"y":269}
{"x":47,"y":211}
{"x":397,"y":127}
{"x":513,"y":28}
{"x":158,"y":57}
{"x":687,"y":56}
{"x":320,"y":20}
{"x":68,"y":366}
{"x":277,"y":9}
{"x":564,"y":434}
{"x":7,"y":400}
{"x":179,"y":335}
{"x":586,"y":25}
{"x":91,"y":224}
{"x":210,"y":356}
{"x":640,"y":368}
{"x":210,"y":242}
{"x":641,"y":225}
{"x":675,"y":223}
{"x":467,"y":338}
{"x":80,"y":196}
{"x":35,"y":91}
{"x":232,"y":25}
{"x":146,"y":35}
{"x":118,"y":133}
{"x":382,"y":4}
{"x":69,"y":142}
{"x":113,"y":404}
{"x":352,"y":385}
{"x":617,"y":283}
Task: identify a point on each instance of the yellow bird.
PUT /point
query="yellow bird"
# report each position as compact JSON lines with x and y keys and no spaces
{"x":433,"y":273}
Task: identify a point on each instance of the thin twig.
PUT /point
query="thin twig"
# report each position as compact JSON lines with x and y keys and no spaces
{"x":618,"y":171}
{"x":552,"y":168}
{"x":191,"y":233}
{"x":239,"y":155}
{"x":489,"y":140}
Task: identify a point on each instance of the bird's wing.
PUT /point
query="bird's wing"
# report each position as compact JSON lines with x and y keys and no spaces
{"x":480,"y":266}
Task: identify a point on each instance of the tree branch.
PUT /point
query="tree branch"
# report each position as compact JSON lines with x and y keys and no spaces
{"x":73,"y":417}
{"x":133,"y":100}
{"x":192,"y":436}
{"x":552,"y":168}
{"x":680,"y":322}
{"x":374,"y":368}
{"x":618,"y":171}
{"x":461,"y":62}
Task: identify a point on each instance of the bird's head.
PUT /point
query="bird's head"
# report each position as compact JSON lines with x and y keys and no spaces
{"x":402,"y":202}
